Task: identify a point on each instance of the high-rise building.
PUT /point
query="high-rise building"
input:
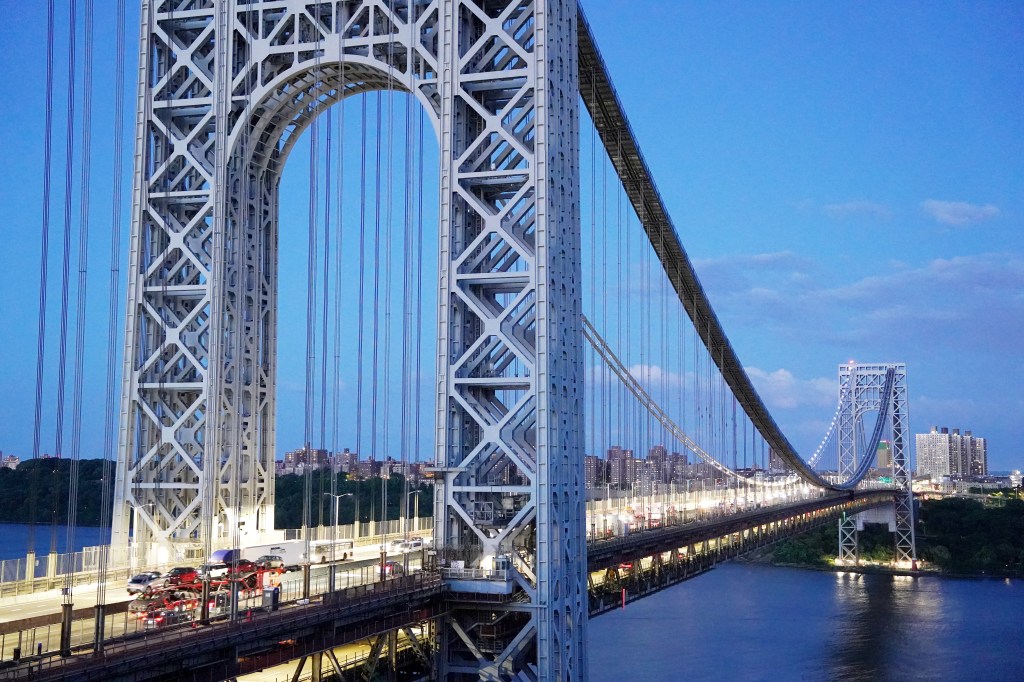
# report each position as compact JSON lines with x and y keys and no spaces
{"x":307,"y":456}
{"x":941,"y":453}
{"x":883,"y":455}
{"x":593,"y":471}
{"x":621,"y":467}
{"x":657,"y":458}
{"x":977,"y":455}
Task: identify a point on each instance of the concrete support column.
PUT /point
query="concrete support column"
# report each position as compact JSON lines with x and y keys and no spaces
{"x":65,"y":628}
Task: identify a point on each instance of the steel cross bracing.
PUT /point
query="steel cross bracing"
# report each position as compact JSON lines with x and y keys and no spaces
{"x":225,"y":90}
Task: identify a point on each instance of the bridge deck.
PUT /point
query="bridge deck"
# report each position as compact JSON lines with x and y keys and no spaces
{"x":232,"y":648}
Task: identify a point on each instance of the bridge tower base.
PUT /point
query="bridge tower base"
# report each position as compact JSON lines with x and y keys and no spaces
{"x":848,"y":548}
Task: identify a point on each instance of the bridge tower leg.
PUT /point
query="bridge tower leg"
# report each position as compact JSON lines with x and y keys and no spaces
{"x":903,"y":501}
{"x":509,"y":517}
{"x":861,"y":390}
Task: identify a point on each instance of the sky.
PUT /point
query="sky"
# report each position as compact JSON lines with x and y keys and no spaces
{"x":848,"y":180}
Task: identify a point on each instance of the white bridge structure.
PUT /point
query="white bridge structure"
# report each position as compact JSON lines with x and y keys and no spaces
{"x":225,"y":88}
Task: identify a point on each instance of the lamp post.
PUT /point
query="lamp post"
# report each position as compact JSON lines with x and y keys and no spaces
{"x":415,"y":510}
{"x":334,"y":538}
{"x":337,"y":500}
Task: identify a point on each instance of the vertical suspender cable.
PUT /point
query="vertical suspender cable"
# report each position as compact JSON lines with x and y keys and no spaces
{"x":592,"y":411}
{"x":324,"y":326}
{"x":69,"y":174}
{"x":385,"y":430}
{"x":83,"y":271}
{"x":311,"y":288}
{"x":360,"y":327}
{"x":113,"y":299}
{"x":44,"y":258}
{"x":338,"y":258}
{"x":605,"y":436}
{"x":321,"y":441}
{"x":408,"y":282}
{"x":420,"y":285}
{"x":375,"y":377}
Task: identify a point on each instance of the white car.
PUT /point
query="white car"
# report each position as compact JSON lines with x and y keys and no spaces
{"x":146,"y":581}
{"x":214,"y":571}
{"x":412,"y":545}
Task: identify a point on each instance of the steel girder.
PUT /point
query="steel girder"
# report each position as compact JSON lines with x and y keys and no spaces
{"x":225,"y":89}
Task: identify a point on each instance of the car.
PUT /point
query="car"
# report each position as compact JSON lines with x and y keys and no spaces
{"x":412,"y":545}
{"x":182,"y":575}
{"x":393,"y":569}
{"x":219,"y":603}
{"x":165,"y":617}
{"x":241,"y":567}
{"x":143,"y":605}
{"x":145,"y":581}
{"x":271,"y":562}
{"x":213,"y":571}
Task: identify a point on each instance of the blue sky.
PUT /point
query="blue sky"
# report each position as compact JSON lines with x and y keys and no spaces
{"x":848,"y":179}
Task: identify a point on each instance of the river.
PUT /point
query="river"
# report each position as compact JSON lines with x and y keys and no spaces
{"x":15,"y":538}
{"x":756,"y":622}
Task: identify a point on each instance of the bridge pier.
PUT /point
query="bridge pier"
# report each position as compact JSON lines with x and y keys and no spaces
{"x":848,"y":549}
{"x":851,"y":524}
{"x":99,"y":632}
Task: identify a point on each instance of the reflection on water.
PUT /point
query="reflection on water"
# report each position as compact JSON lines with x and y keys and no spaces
{"x":876,"y":611}
{"x":750,"y":622}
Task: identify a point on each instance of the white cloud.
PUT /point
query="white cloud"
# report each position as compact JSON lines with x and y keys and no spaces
{"x":958,"y":213}
{"x":781,"y":390}
{"x":966,"y":301}
{"x":650,"y":377}
{"x":738,"y":273}
{"x":849,"y":209}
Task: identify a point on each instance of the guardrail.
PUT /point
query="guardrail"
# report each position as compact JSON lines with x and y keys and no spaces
{"x":476,"y":574}
{"x":41,"y":572}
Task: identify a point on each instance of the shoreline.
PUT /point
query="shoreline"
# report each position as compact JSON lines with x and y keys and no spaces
{"x":873,"y":569}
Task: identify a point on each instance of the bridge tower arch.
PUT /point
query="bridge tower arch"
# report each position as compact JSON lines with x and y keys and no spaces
{"x":862,"y":390}
{"x":225,"y":89}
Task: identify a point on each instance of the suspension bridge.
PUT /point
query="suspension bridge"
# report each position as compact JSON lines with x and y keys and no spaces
{"x":563,"y":318}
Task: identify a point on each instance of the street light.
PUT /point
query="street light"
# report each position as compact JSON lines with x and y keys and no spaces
{"x":416,"y":510}
{"x":416,"y":514}
{"x":337,"y":501}
{"x":334,"y":539}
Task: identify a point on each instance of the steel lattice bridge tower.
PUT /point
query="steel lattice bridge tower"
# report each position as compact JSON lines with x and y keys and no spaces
{"x":225,"y":90}
{"x":880,"y":388}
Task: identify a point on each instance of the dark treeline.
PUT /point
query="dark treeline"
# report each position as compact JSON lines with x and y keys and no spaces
{"x":956,"y":535}
{"x":964,"y":536}
{"x":37,"y":492}
{"x":289,"y":492}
